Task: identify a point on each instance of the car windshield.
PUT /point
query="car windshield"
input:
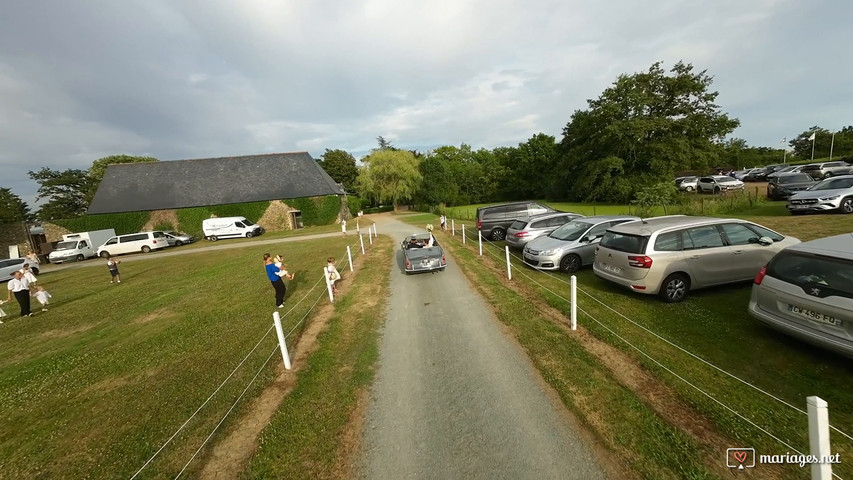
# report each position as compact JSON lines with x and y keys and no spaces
{"x":833,"y":183}
{"x":725,"y":179}
{"x":66,"y":245}
{"x":247,"y":223}
{"x":800,"y":177}
{"x":570,"y":231}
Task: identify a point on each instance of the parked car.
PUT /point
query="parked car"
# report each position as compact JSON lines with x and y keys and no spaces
{"x":741,"y":174}
{"x":718,"y":184}
{"x":526,"y":229}
{"x":571,"y":246}
{"x":670,"y":256}
{"x":9,"y":266}
{"x":175,"y":239}
{"x":135,"y":242}
{"x":788,"y":169}
{"x":419,"y":257}
{"x":806,"y":291}
{"x":686,"y":184}
{"x":820,"y":171}
{"x":783,"y":185}
{"x":832,"y":194}
{"x":760,"y":174}
{"x":494,"y":220}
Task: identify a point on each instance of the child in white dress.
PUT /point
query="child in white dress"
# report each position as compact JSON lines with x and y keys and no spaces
{"x":2,"y":313}
{"x":28,"y":274}
{"x":332,"y":274}
{"x":43,"y":297}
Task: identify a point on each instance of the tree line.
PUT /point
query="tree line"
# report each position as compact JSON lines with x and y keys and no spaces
{"x":645,"y":128}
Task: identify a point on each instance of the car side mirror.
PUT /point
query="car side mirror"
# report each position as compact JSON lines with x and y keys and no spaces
{"x":765,"y":241}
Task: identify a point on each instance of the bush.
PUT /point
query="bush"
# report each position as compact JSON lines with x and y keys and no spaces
{"x":651,"y":196}
{"x":317,"y":210}
{"x":122,"y":223}
{"x":354,"y":205}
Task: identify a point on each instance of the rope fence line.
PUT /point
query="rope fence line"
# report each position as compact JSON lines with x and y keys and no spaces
{"x":670,"y":343}
{"x":230,"y":375}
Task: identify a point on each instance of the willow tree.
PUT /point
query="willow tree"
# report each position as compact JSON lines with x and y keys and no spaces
{"x":389,"y":176}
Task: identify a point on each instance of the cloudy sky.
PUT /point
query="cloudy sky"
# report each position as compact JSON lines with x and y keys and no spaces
{"x":178,"y":79}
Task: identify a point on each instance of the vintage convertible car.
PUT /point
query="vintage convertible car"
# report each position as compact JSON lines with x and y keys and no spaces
{"x":421,"y":258}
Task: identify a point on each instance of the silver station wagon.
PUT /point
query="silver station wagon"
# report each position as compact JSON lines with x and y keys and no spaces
{"x":670,"y":256}
{"x":526,"y":229}
{"x":806,"y":291}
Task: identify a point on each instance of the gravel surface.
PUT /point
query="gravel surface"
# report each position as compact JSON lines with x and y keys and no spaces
{"x":454,"y":397}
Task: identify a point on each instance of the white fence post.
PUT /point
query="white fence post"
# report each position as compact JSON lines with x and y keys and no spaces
{"x":369,"y":236}
{"x":819,"y":437}
{"x":374,"y":230}
{"x":574,"y":298}
{"x":463,"y":234}
{"x":357,"y":229}
{"x":329,"y":286}
{"x":508,"y":266}
{"x":276,"y":318}
{"x":349,"y":257}
{"x":453,"y":227}
{"x":361,"y":240}
{"x":480,"y":241}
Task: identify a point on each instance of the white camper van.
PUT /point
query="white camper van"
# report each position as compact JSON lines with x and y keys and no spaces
{"x":229,"y":227}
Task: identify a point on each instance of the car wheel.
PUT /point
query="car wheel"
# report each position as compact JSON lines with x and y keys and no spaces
{"x":497,"y":235}
{"x":828,"y":174}
{"x":571,"y":263}
{"x":105,"y":254}
{"x":689,"y":189}
{"x":178,"y":243}
{"x":248,"y":234}
{"x":80,"y":258}
{"x":146,"y":249}
{"x":674,"y":288}
{"x":846,"y":205}
{"x":213,"y":238}
{"x":717,"y":190}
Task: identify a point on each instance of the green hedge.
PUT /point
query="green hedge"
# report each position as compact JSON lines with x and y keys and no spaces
{"x":190,"y":218}
{"x":354,"y":204}
{"x":122,"y":223}
{"x":317,"y":210}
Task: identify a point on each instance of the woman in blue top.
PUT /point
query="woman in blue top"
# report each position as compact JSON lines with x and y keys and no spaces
{"x":274,"y":274}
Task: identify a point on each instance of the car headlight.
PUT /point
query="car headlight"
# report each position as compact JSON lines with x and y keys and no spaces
{"x":553,"y":251}
{"x":829,"y":198}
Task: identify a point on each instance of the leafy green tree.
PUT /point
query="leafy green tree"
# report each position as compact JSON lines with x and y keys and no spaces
{"x":842,"y":146}
{"x":340,"y":165}
{"x":99,"y":168}
{"x":527,"y":163}
{"x":645,"y":127}
{"x":438,"y":185}
{"x":390,"y":175}
{"x":384,"y":144}
{"x":12,"y":208}
{"x":66,"y":192}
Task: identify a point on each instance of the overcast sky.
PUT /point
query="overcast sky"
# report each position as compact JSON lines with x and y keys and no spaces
{"x":177,"y":79}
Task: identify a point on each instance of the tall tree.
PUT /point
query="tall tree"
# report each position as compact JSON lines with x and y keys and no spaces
{"x":841,"y":146}
{"x":390,"y":176}
{"x":66,"y":192}
{"x":643,"y":128}
{"x":12,"y":208}
{"x":538,"y":154}
{"x":384,"y":144}
{"x":340,"y":165}
{"x":99,"y":167}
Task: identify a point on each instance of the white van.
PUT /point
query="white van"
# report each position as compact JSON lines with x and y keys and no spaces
{"x":134,"y":242}
{"x":229,"y":227}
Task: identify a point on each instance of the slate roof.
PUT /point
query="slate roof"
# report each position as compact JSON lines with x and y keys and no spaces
{"x":164,"y":185}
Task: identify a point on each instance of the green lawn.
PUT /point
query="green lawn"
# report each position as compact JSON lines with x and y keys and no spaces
{"x":714,"y":325}
{"x":94,"y":387}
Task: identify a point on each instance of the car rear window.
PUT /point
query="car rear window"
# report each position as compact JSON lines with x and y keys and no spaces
{"x":624,"y":242}
{"x":518,"y":225}
{"x":816,"y":274}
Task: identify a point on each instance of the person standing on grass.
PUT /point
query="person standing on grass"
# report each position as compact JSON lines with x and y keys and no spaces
{"x":33,"y":260}
{"x":443,"y":221}
{"x":112,"y":264}
{"x":332,"y":274}
{"x":275,"y":274}
{"x":19,"y":286}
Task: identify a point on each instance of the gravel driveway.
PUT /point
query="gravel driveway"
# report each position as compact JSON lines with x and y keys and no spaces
{"x":454,"y":397}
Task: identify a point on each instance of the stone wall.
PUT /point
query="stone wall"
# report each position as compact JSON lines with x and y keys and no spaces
{"x":13,"y":234}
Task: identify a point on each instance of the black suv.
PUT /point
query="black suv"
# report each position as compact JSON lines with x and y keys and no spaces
{"x":493,"y":220}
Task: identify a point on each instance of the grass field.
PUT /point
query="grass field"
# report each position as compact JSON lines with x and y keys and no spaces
{"x":712,"y":324}
{"x":94,"y":387}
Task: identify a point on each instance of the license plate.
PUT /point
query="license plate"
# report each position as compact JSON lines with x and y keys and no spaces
{"x":814,"y":316}
{"x":799,"y":207}
{"x":610,"y":268}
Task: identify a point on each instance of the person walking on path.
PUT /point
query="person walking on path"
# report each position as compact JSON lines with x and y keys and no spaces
{"x":443,"y":221}
{"x":19,"y":286}
{"x":344,"y":227}
{"x":275,"y":274}
{"x":112,"y":264}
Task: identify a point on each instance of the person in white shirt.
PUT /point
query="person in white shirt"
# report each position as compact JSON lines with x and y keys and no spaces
{"x":42,"y":296}
{"x":33,"y":260}
{"x":332,"y":275}
{"x":20,"y":288}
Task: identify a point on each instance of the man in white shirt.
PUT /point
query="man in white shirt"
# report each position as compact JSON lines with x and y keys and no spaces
{"x":20,"y":287}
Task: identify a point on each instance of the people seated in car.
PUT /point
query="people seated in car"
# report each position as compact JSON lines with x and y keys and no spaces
{"x":413,"y":243}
